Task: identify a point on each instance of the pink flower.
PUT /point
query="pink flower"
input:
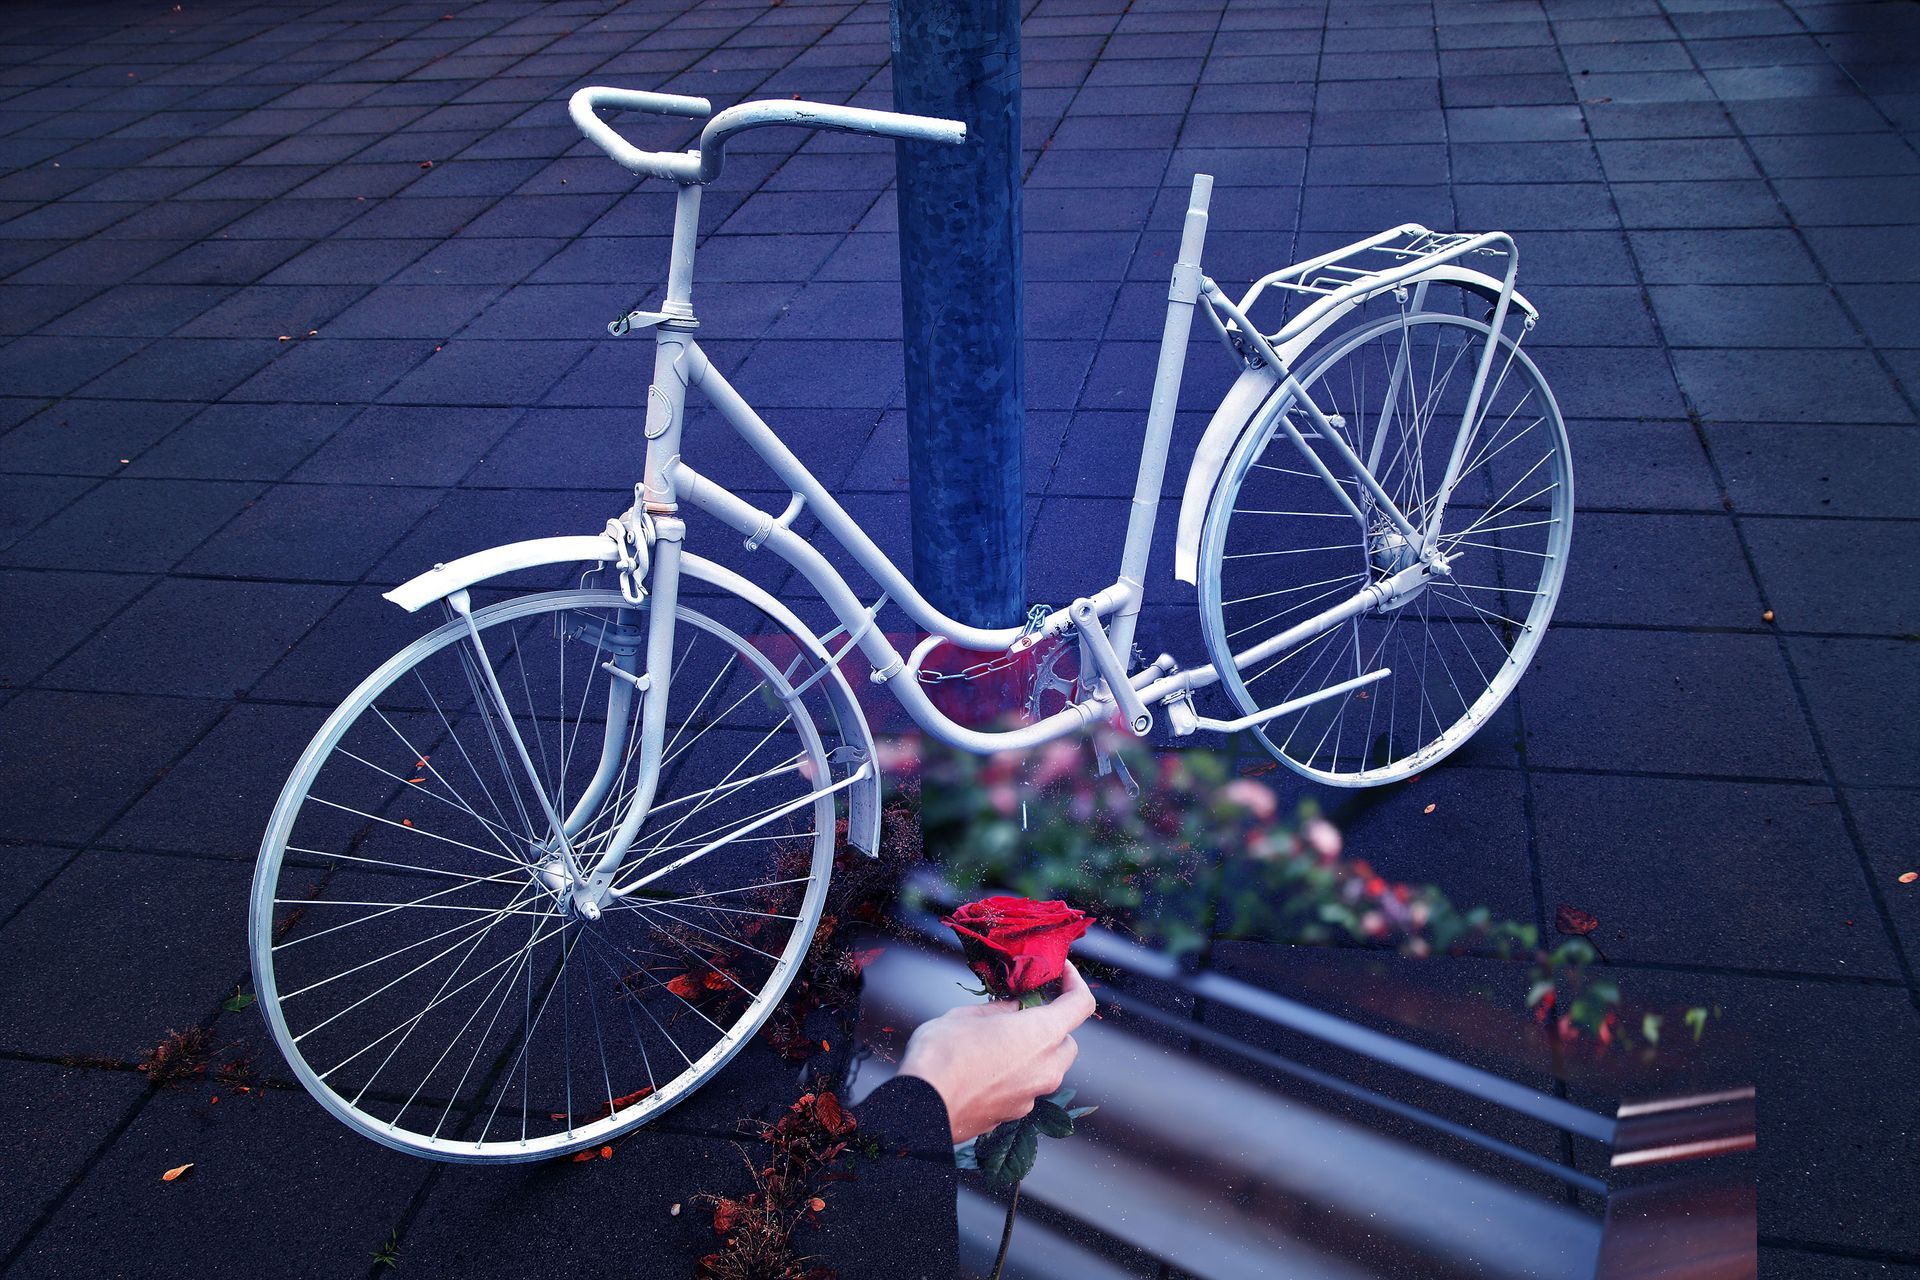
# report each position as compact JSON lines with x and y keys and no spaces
{"x":1256,"y":798}
{"x":1058,"y":759}
{"x":1324,"y":837}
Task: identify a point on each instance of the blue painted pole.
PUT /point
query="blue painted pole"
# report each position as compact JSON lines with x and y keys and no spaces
{"x":960,"y":292}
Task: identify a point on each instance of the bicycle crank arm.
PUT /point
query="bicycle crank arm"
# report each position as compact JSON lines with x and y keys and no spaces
{"x":1185,"y":720}
{"x":1087,"y":618}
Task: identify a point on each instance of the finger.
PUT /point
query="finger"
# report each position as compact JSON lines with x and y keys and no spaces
{"x":1074,"y":1005}
{"x":1055,"y":1064}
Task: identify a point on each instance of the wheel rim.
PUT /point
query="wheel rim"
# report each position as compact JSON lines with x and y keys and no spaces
{"x":1278,"y":548}
{"x":413,"y":947}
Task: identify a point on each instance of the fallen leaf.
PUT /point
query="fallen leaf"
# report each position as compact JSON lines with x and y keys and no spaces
{"x":406,"y":822}
{"x":1908,"y":877}
{"x":673,"y":1210}
{"x":816,"y":1204}
{"x":426,"y":164}
{"x":1572,"y":920}
{"x":1430,"y":808}
{"x":581,"y":1157}
{"x":1767,"y":616}
{"x":606,"y":1153}
{"x":177,"y":1172}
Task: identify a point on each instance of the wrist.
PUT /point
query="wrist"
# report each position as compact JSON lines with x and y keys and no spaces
{"x":921,"y":1067}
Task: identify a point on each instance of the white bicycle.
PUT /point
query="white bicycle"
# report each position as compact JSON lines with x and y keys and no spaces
{"x":554,"y":862}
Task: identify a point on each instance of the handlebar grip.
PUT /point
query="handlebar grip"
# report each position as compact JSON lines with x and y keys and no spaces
{"x":675,"y":165}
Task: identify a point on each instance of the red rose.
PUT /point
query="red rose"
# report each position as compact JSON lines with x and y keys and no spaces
{"x":1014,"y":945}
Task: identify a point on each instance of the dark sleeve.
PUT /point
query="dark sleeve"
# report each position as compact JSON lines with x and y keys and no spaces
{"x":894,"y":1219}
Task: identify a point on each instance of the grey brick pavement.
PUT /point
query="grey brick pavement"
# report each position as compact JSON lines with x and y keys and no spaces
{"x":1717,"y":202}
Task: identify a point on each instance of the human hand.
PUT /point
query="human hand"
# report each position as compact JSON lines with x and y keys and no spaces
{"x":989,"y":1062}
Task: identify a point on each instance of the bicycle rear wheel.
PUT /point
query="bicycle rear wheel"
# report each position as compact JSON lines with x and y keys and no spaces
{"x":415,"y":949}
{"x":1278,"y":547}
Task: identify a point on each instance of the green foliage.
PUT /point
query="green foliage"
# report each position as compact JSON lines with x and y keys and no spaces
{"x":1007,"y":1154}
{"x":1204,"y":854}
{"x":1200,"y":854}
{"x":388,"y":1254}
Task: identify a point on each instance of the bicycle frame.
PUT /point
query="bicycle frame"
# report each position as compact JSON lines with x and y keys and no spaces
{"x":650,"y":537}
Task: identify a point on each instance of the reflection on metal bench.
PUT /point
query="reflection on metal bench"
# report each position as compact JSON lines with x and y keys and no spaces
{"x":1195,"y":1164}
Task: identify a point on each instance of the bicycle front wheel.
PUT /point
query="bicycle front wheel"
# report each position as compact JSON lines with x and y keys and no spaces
{"x":1279,"y":547}
{"x":415,"y":948}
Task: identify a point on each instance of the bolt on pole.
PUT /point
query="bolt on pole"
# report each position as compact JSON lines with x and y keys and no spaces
{"x":960,"y":283}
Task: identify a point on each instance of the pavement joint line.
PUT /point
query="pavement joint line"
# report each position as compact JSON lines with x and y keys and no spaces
{"x":1825,"y":761}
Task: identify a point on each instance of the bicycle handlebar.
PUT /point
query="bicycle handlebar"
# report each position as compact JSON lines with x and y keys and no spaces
{"x":703,"y":165}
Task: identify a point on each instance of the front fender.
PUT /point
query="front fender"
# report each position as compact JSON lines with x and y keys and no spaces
{"x":856,"y":739}
{"x":1238,"y":411}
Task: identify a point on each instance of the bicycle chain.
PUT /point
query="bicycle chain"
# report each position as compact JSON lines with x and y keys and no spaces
{"x":1036,"y":616}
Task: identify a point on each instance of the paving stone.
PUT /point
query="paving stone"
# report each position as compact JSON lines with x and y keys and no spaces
{"x":24,"y":871}
{"x":325,"y":664}
{"x":336,"y":1194}
{"x":1658,"y":205}
{"x":1816,"y":386}
{"x":1667,"y":864}
{"x":1866,"y":254}
{"x":85,"y":756}
{"x":1473,"y":844}
{"x":493,"y":371}
{"x":242,"y":441}
{"x":270,"y":311}
{"x":195,"y":637}
{"x":1752,"y":316}
{"x":48,"y":366}
{"x":61,"y":1116}
{"x":1809,"y":569}
{"x":129,"y":524}
{"x":344,"y":261}
{"x":412,"y":311}
{"x":215,"y":802}
{"x":52,"y":613}
{"x":330,"y":533}
{"x":88,"y":437}
{"x":468,"y":520}
{"x":651,"y":1170}
{"x":1657,"y":570}
{"x":231,"y":262}
{"x":191,"y":369}
{"x":1816,"y":470}
{"x":134,"y":310}
{"x":1885,"y":821}
{"x":1669,"y":702}
{"x":342,"y":370}
{"x":1722,"y":257}
{"x":1863,"y":697}
{"x":1886,"y":313}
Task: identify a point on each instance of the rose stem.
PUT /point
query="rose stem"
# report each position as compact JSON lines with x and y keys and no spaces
{"x":1006,"y":1234}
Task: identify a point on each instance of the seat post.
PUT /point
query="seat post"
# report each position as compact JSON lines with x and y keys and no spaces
{"x":1182,"y":294}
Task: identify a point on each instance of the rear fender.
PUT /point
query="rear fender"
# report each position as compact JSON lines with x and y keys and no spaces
{"x":1241,"y":409}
